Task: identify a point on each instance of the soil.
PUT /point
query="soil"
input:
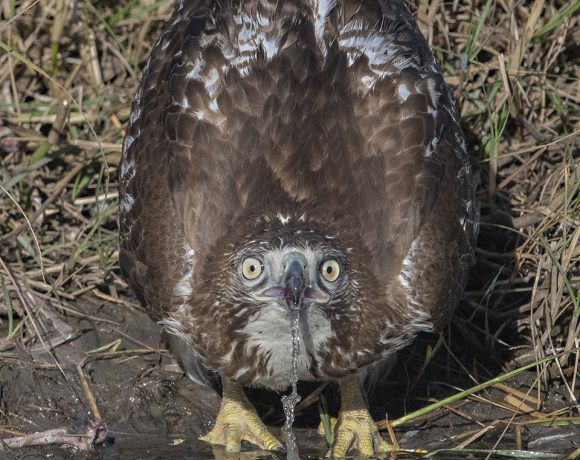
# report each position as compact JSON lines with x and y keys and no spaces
{"x":153,"y":411}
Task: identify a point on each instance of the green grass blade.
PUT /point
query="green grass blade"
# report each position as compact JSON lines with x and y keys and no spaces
{"x":469,"y":50}
{"x":462,"y":453}
{"x":482,"y":386}
{"x":563,"y":13}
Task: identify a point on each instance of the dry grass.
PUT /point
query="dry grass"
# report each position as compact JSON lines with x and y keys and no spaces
{"x":68,"y":71}
{"x":515,"y":69}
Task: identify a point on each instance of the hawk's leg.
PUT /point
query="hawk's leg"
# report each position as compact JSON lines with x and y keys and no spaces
{"x":238,"y":420}
{"x":355,"y":426}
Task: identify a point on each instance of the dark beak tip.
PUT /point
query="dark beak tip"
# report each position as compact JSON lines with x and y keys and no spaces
{"x":295,"y":283}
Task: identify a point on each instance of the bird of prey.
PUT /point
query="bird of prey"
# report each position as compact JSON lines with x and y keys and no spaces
{"x":294,"y":156}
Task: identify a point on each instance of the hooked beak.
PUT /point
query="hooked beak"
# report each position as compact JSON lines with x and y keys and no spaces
{"x":295,"y":283}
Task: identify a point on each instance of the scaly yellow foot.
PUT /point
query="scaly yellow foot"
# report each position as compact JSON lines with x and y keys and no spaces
{"x":355,"y":426}
{"x":238,"y":420}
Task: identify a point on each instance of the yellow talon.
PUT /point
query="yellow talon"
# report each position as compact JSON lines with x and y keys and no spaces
{"x":237,"y":420}
{"x":355,"y":426}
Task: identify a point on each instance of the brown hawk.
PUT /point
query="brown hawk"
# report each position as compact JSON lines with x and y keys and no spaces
{"x":294,"y":156}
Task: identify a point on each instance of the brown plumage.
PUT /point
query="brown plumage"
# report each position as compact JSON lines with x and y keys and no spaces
{"x":308,"y":130}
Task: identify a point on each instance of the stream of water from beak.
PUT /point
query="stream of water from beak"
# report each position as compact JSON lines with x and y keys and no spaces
{"x":290,"y":401}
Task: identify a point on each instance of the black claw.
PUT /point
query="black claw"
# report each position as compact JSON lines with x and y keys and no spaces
{"x":281,"y":450}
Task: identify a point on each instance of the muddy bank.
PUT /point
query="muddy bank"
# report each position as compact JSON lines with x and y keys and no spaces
{"x":153,"y":411}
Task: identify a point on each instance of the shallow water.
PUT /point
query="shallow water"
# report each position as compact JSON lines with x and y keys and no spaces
{"x":139,"y":448}
{"x":290,"y":401}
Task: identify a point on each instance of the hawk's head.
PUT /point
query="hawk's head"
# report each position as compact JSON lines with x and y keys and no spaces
{"x":296,"y":270}
{"x":274,"y":263}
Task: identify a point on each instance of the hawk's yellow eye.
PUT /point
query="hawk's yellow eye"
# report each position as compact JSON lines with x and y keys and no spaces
{"x":251,"y":268}
{"x":330,"y":269}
